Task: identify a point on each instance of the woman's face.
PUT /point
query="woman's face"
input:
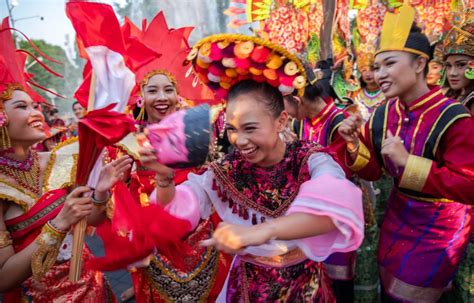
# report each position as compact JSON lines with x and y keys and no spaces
{"x":25,"y":120}
{"x":254,"y":131}
{"x":396,"y":72}
{"x":294,"y":107}
{"x":78,"y":111}
{"x":160,"y":97}
{"x":456,"y":66}
{"x":368,"y":76}
{"x":434,"y":73}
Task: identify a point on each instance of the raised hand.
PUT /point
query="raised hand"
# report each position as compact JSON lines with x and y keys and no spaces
{"x":395,"y":150}
{"x":112,"y":173}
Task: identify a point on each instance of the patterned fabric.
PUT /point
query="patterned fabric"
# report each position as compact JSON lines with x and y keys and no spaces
{"x":199,"y":281}
{"x":322,"y":128}
{"x":418,"y":229}
{"x":205,"y":269}
{"x":56,"y":287}
{"x":269,"y":191}
{"x":298,"y":283}
{"x":367,"y":103}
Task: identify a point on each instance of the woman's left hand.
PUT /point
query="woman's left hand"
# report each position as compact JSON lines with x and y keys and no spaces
{"x":394,"y":148}
{"x":233,"y":239}
{"x":112,"y":173}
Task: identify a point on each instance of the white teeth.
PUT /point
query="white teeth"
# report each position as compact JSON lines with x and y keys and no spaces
{"x":248,"y":151}
{"x":36,"y":124}
{"x":385,"y":85}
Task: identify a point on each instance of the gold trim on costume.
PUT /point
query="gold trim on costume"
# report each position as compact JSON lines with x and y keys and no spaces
{"x":408,"y":292}
{"x":431,"y":96}
{"x":424,"y":199}
{"x":362,"y":159}
{"x":445,"y":127}
{"x":416,"y":172}
{"x":62,"y":164}
{"x":17,"y":195}
{"x":420,"y":120}
{"x":404,"y":49}
{"x":290,"y":258}
{"x":400,"y":118}
{"x":340,"y":272}
{"x":49,"y":242}
{"x":435,"y":148}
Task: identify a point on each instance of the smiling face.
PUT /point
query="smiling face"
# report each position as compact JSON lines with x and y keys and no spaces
{"x":254,"y":130}
{"x":456,"y":66}
{"x":368,"y":76}
{"x":78,"y":110}
{"x":25,"y":120}
{"x":160,"y":97}
{"x":397,"y":72}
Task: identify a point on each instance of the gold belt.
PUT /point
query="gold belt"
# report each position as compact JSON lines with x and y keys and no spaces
{"x":292,"y":257}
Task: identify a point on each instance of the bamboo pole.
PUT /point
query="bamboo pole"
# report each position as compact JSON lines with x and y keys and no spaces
{"x":80,"y":227}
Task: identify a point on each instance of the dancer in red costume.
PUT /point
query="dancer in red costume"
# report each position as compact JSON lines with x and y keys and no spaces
{"x":38,"y":205}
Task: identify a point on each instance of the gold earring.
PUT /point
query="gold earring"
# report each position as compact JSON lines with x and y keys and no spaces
{"x":141,"y":114}
{"x":5,"y":140}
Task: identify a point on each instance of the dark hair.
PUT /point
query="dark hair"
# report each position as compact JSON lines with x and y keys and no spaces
{"x":322,"y":87}
{"x":418,"y":41}
{"x":270,"y":96}
{"x":54,"y":111}
{"x":74,"y":104}
{"x":456,"y":94}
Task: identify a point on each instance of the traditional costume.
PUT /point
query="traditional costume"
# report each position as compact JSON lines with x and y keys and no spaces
{"x":427,"y":223}
{"x":460,"y":41}
{"x":39,"y":203}
{"x":201,"y":275}
{"x":245,"y":194}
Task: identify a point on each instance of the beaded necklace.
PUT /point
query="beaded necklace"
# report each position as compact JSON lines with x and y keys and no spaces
{"x":26,"y":173}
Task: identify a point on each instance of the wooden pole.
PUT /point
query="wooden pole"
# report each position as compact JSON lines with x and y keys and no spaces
{"x":80,"y":227}
{"x":329,"y":12}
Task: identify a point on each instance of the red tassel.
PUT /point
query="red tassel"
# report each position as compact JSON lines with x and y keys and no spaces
{"x":214,"y":184}
{"x":246,"y":214}
{"x":262,"y":219}
{"x":234,"y":209}
{"x":231,"y":203}
{"x":254,"y":219}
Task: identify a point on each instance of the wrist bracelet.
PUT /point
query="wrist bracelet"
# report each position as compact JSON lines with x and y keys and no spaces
{"x":54,"y":228}
{"x":100,"y":202}
{"x":165,"y":182}
{"x":351,"y":151}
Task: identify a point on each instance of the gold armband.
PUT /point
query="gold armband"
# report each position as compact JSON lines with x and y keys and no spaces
{"x":49,"y":243}
{"x":5,"y":239}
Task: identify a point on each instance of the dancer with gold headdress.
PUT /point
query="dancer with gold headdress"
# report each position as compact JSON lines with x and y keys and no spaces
{"x":165,"y":86}
{"x":38,"y":205}
{"x":268,"y":193}
{"x":459,"y":62}
{"x":370,"y":95}
{"x":422,"y":139}
{"x":458,"y":54}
